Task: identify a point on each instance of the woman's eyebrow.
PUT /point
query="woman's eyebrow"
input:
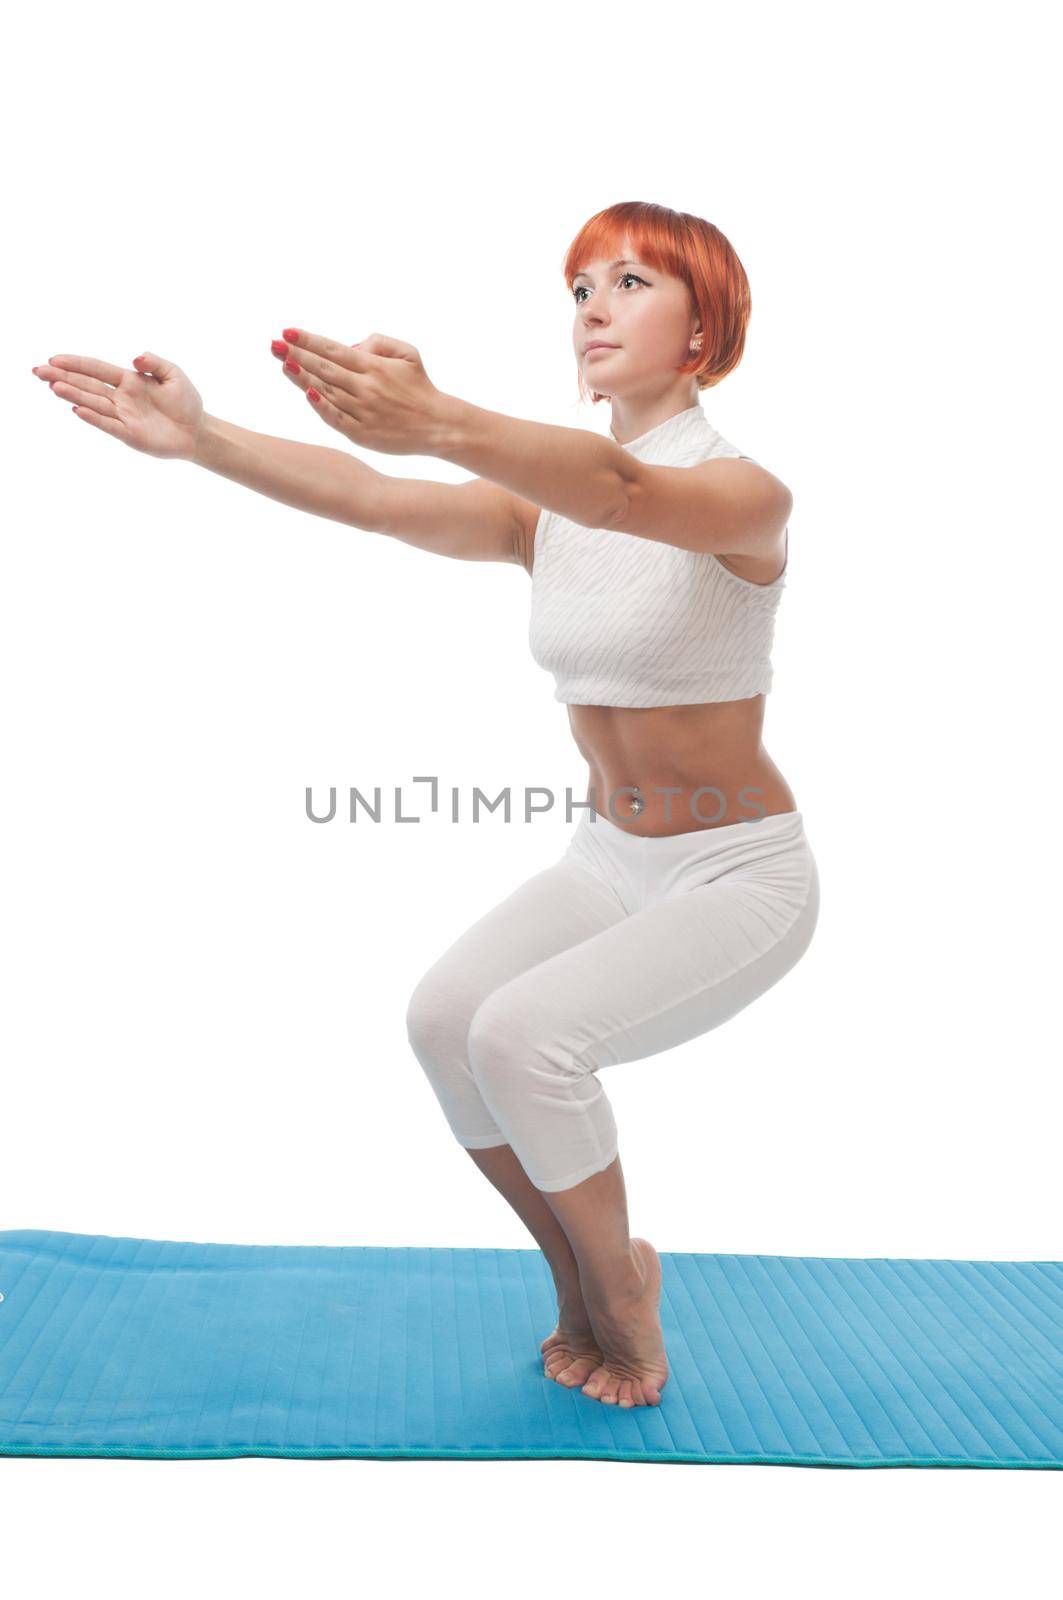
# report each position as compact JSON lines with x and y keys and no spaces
{"x":612,"y":267}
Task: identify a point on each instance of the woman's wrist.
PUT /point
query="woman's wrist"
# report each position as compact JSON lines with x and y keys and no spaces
{"x":452,"y":422}
{"x":208,"y":441}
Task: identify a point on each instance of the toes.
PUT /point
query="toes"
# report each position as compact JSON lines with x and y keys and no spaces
{"x":596,"y":1382}
{"x":614,"y":1389}
{"x":603,"y":1385}
{"x":576,"y":1371}
{"x":611,"y":1392}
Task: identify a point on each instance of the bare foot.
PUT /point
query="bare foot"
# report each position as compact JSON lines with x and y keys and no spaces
{"x":633,"y":1368}
{"x":571,"y":1353}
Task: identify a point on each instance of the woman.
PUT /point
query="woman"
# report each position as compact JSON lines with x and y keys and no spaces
{"x":657,"y":556}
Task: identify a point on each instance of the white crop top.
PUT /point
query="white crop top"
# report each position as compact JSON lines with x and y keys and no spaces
{"x":625,"y":621}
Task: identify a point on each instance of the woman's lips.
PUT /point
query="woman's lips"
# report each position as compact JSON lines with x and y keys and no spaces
{"x":601,"y":349}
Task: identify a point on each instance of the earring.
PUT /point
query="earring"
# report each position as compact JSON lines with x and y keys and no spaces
{"x":695,"y":344}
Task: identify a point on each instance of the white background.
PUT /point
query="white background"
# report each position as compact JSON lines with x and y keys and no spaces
{"x":203,"y":1032}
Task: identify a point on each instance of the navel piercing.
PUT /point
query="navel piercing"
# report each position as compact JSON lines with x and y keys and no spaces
{"x":637,"y":802}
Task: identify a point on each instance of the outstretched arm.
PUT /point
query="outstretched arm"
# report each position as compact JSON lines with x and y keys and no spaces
{"x":474,"y":521}
{"x":310,"y":477}
{"x":157,"y":411}
{"x":378,"y":395}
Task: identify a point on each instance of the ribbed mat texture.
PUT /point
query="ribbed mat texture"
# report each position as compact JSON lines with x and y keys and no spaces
{"x":158,"y":1348}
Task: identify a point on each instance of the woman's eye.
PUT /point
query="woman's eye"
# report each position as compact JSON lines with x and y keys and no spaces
{"x":581,"y":289}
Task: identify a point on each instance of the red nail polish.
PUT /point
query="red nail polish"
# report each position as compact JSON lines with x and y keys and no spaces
{"x":279,"y":347}
{"x":292,"y":366}
{"x":292,"y":334}
{"x":312,"y":394}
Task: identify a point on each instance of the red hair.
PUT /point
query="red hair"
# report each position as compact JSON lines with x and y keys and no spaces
{"x":685,"y":247}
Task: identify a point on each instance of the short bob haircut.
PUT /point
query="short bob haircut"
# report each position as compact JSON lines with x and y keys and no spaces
{"x":685,"y":247}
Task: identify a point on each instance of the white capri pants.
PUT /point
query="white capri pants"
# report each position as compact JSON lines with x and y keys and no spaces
{"x":626,"y":946}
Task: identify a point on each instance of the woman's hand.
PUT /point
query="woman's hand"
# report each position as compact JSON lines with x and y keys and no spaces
{"x":376,"y":393}
{"x":154,"y":409}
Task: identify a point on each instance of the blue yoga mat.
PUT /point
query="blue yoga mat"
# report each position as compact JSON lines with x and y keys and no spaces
{"x":158,"y":1348}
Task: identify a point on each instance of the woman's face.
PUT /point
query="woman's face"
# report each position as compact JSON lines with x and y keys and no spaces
{"x":643,"y":314}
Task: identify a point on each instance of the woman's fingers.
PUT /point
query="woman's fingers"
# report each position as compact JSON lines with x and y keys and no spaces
{"x":106,"y":424}
{"x":339,"y":418}
{"x":350,"y":356}
{"x":88,"y":402}
{"x":306,"y":367}
{"x":105,"y":371}
{"x":152,"y":407}
{"x":337,"y":405}
{"x":53,"y":375}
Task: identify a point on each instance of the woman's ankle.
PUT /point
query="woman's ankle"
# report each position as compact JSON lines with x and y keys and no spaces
{"x":569,"y":1292}
{"x":613,"y":1283}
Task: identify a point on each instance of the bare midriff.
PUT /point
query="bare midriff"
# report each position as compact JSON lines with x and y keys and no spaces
{"x":700,"y":766}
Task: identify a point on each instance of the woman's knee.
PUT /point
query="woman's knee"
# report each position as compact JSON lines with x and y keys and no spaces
{"x":507,"y":1045}
{"x":437,"y":1020}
